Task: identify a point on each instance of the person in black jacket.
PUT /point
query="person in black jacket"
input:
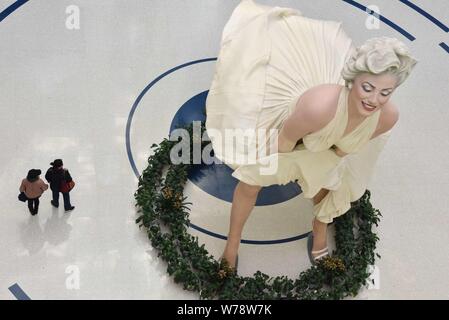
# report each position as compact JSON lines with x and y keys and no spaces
{"x":56,"y":175}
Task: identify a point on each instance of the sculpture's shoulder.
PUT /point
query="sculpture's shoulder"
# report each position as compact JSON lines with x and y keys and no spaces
{"x":319,"y":103}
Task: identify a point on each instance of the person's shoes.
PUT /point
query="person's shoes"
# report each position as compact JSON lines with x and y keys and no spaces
{"x":54,"y":204}
{"x":70,"y":208}
{"x":314,"y":256}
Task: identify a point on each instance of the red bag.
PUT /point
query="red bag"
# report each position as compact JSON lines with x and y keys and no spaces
{"x":66,"y":186}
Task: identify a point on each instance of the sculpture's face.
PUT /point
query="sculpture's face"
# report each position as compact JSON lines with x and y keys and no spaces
{"x":370,"y":92}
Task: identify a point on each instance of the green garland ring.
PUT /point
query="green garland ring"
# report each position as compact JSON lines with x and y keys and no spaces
{"x":164,"y":214}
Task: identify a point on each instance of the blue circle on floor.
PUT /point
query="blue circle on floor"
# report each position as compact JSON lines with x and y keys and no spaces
{"x":216,"y":179}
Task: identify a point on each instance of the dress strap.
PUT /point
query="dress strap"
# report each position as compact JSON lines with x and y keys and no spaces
{"x":354,"y":140}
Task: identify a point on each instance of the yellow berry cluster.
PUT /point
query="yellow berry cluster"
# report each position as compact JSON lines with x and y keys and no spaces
{"x":168,"y":193}
{"x":225,"y":269}
{"x":333,"y":263}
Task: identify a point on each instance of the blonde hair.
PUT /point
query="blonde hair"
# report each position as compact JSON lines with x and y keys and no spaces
{"x":379,"y":55}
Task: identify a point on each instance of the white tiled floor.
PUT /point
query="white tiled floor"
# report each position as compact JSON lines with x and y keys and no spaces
{"x":68,"y":93}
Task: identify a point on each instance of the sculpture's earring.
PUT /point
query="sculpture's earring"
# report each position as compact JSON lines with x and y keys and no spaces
{"x":349,"y":84}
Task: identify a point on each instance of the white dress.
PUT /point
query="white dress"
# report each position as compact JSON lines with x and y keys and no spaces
{"x":269,"y":56}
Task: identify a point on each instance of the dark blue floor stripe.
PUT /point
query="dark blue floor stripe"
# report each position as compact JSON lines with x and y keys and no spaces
{"x":277,"y":241}
{"x":444,"y":46}
{"x":136,"y":103}
{"x":16,"y":5}
{"x":18,"y":292}
{"x":425,"y":14}
{"x":382,"y":18}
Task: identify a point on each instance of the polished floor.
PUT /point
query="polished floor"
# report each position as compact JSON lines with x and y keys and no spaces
{"x":99,"y":95}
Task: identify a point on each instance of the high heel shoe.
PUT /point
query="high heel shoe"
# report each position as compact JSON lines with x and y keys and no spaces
{"x":320,"y":253}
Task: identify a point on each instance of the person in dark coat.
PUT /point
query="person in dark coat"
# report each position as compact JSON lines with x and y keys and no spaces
{"x":33,"y":187}
{"x":55,"y":176}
